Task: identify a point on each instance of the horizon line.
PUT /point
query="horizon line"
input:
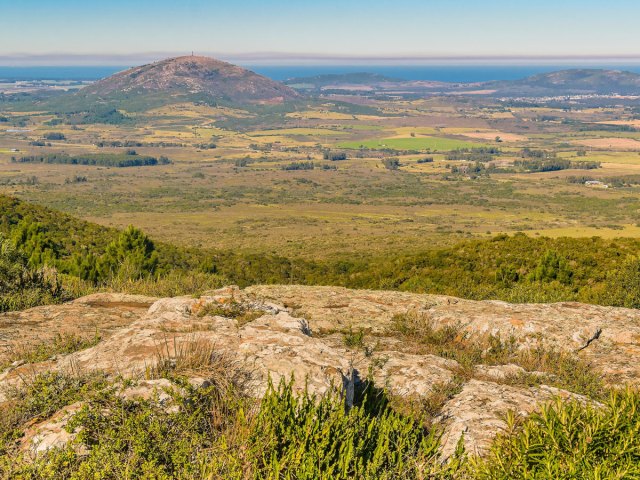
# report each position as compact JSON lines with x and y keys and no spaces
{"x":280,"y":58}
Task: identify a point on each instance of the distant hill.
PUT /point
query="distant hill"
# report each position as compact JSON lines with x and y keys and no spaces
{"x":190,"y":78}
{"x":564,"y":82}
{"x":571,"y":82}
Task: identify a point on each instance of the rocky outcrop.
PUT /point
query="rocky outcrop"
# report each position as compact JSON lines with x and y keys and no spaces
{"x":274,"y":332}
{"x":612,"y":334}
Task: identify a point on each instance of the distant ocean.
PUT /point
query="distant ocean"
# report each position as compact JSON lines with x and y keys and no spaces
{"x":447,"y":73}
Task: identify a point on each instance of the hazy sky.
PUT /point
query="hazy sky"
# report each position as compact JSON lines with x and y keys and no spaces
{"x":371,"y":28}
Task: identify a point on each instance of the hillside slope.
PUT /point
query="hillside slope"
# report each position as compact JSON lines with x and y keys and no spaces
{"x":189,"y":77}
{"x":572,"y":82}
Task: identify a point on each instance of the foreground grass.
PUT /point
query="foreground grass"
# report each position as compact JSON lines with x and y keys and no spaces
{"x":61,"y":343}
{"x":552,"y":365}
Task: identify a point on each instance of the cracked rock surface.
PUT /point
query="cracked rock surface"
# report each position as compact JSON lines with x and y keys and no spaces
{"x":294,"y":331}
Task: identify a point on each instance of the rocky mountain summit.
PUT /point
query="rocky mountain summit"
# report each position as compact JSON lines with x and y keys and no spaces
{"x":471,"y":361}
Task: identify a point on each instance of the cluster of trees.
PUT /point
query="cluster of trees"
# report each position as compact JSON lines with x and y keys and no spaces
{"x":76,"y":179}
{"x":39,"y":143}
{"x":334,"y":156}
{"x":299,"y":166}
{"x":391,"y":163}
{"x":617,"y":181}
{"x":243,"y":162}
{"x":533,"y":153}
{"x":513,"y":268}
{"x":481,"y":154}
{"x":131,"y":253}
{"x":606,"y":127}
{"x":553,"y":164}
{"x":54,"y":136}
{"x":109,"y":116}
{"x":207,"y":146}
{"x":127,"y":159}
{"x":133,"y":143}
{"x":473,"y":169}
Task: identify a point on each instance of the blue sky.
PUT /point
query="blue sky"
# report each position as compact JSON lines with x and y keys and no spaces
{"x":88,"y":29}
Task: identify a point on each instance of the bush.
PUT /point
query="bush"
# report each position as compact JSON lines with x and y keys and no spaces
{"x":334,"y":156}
{"x":216,"y":432}
{"x":22,"y":286}
{"x":569,"y":440}
{"x":299,"y":166}
{"x":54,"y":136}
{"x":391,"y":163}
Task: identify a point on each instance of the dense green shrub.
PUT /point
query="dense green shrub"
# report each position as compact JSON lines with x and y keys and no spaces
{"x":22,"y":286}
{"x":218,"y":433}
{"x":132,"y":254}
{"x":569,"y":440}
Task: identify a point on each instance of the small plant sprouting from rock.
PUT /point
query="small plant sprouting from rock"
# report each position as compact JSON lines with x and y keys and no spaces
{"x":233,"y":309}
{"x":354,"y":339}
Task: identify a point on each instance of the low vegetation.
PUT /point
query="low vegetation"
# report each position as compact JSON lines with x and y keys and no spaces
{"x":569,"y":440}
{"x":99,"y":159}
{"x":553,"y":366}
{"x":58,"y":253}
{"x":62,"y":343}
{"x":217,"y":431}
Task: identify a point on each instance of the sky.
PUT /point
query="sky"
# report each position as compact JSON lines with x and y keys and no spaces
{"x":117,"y":31}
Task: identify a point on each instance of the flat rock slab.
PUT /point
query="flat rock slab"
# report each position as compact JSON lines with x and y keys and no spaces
{"x":102,"y":313}
{"x":614,"y":332}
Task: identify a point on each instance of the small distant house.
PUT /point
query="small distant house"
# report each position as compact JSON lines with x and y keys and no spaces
{"x":596,"y":184}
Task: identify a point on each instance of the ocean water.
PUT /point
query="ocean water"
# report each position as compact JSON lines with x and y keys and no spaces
{"x":57,"y":73}
{"x":443,"y":73}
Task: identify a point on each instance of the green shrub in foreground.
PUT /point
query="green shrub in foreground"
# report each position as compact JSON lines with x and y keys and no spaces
{"x":569,"y":440}
{"x":219,"y":435}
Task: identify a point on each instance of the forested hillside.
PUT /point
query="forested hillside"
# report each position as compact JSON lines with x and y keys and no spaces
{"x":515,"y":268}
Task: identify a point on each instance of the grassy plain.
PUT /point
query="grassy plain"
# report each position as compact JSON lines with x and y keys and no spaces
{"x":240,"y":196}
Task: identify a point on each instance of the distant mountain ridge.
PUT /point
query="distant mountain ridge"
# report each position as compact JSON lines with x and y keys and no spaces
{"x":562,"y":82}
{"x":574,"y":81}
{"x":188,"y":77}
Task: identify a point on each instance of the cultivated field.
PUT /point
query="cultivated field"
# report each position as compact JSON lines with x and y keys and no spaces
{"x":256,"y":192}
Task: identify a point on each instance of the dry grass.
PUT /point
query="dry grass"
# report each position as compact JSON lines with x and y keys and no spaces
{"x":236,"y":310}
{"x":197,"y":357}
{"x":541,"y":362}
{"x":62,"y":343}
{"x":611,"y":143}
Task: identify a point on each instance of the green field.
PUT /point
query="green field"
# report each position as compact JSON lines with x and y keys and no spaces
{"x":417,"y":143}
